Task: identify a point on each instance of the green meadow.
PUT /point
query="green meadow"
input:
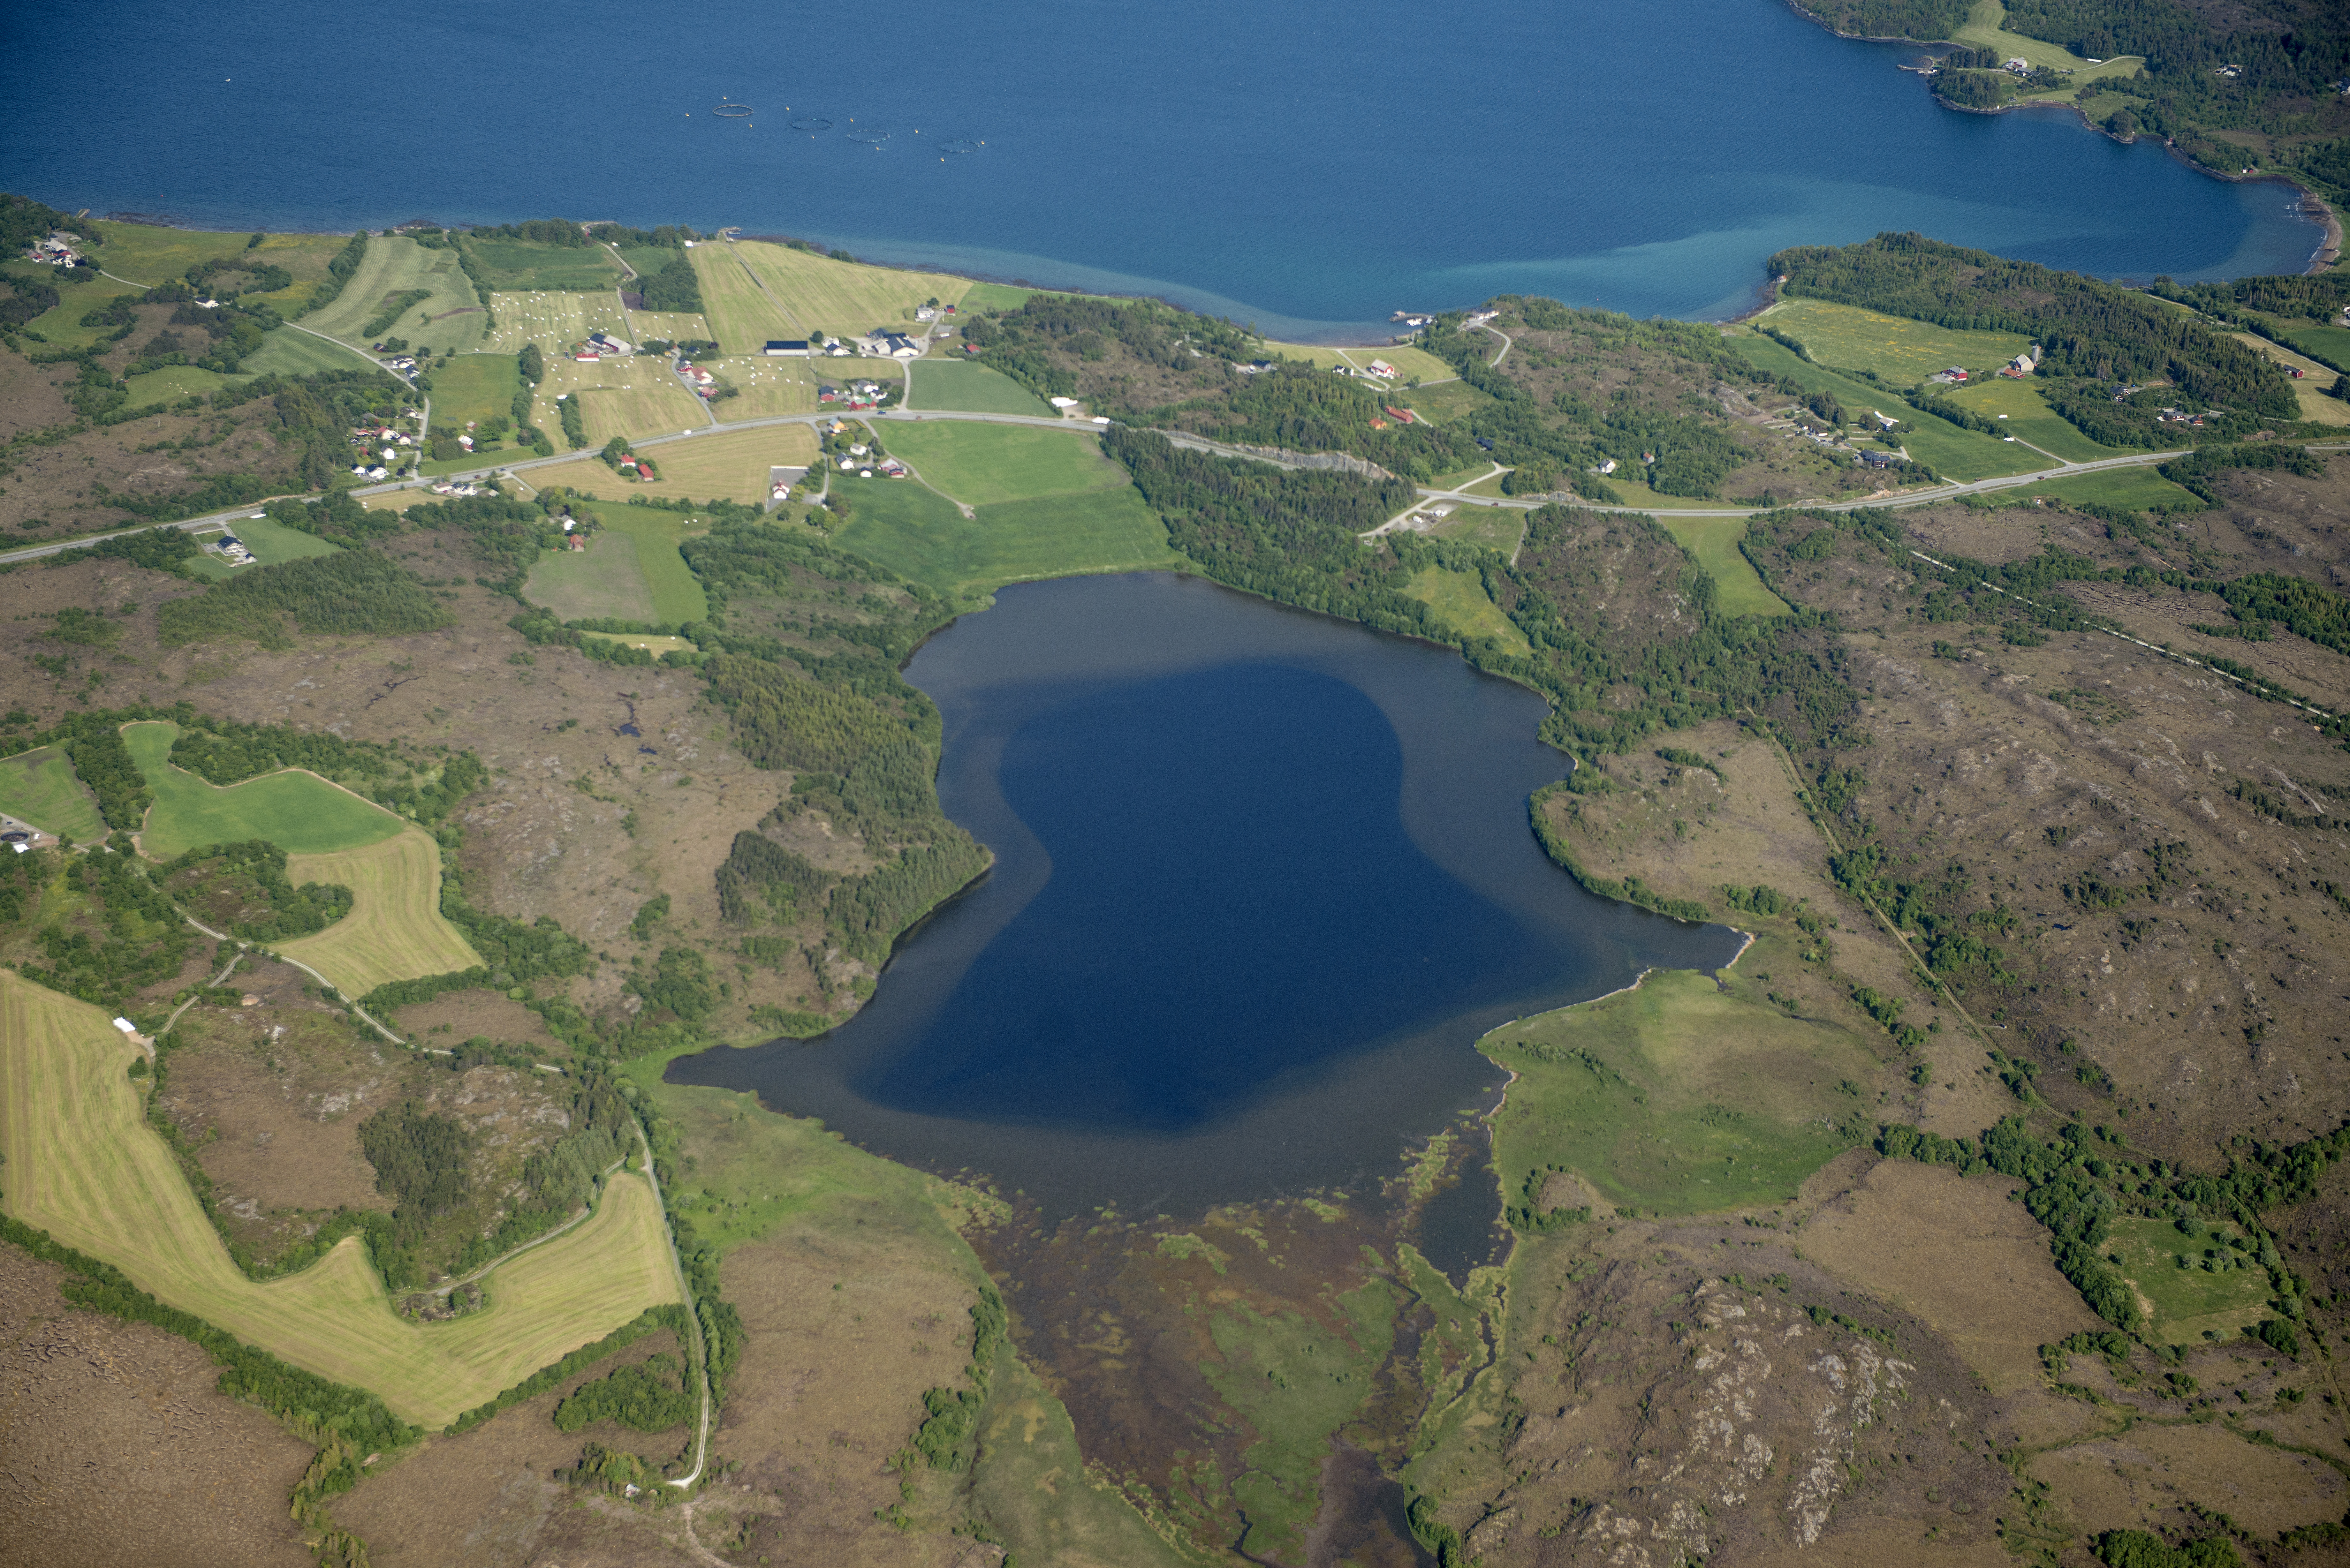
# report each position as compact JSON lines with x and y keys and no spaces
{"x":474,"y":387}
{"x":449,"y":320}
{"x":1677,"y":1098}
{"x":1461,"y":601}
{"x":1950,"y":450}
{"x":270,"y":544}
{"x":1894,"y":346}
{"x":630,"y":570}
{"x":972,"y":388}
{"x":2195,"y":1283}
{"x":920,"y":534}
{"x":981,"y":465}
{"x":1714,"y":542}
{"x":40,"y":787}
{"x":523,"y":265}
{"x":290,"y":351}
{"x":300,"y":813}
{"x":2020,"y":411}
{"x":2136,"y":488}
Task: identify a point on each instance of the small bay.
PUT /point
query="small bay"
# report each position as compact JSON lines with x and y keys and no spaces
{"x":1262,"y":878}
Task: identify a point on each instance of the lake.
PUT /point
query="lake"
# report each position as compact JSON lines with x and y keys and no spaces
{"x":1308,"y":167}
{"x":1262,"y":877}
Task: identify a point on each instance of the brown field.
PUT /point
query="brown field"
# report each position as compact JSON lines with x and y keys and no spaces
{"x":118,"y":1450}
{"x":487,"y":1498}
{"x":1956,"y":1253}
{"x":395,"y":929}
{"x":2140,"y":1478}
{"x":462,"y":1015}
{"x":87,"y":1168}
{"x":847,"y":299}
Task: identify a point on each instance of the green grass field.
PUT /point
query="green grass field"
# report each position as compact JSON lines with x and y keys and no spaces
{"x":61,"y":323}
{"x":40,"y":787}
{"x":523,"y":264}
{"x":999,"y":296}
{"x":741,"y":315}
{"x":84,"y":1165}
{"x":395,"y":929}
{"x":553,"y":321}
{"x":2020,"y":411}
{"x":2131,"y":487}
{"x":1986,"y":27}
{"x":2328,"y":343}
{"x":981,"y":464}
{"x":919,"y":534}
{"x":147,"y":254}
{"x":1676,"y":1098}
{"x":2165,"y":1267}
{"x":298,"y":812}
{"x":173,"y":382}
{"x":1498,"y":528}
{"x":972,"y":388}
{"x":290,"y":351}
{"x":1899,"y":349}
{"x":451,"y":321}
{"x":1413,"y":362}
{"x":1460,"y":600}
{"x":1948,"y":450}
{"x":474,"y":387}
{"x":845,"y":299}
{"x":1445,"y":402}
{"x":630,"y":571}
{"x":270,"y":544}
{"x":1714,"y":542}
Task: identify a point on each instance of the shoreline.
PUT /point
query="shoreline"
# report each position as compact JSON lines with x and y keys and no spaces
{"x":2328,"y":249}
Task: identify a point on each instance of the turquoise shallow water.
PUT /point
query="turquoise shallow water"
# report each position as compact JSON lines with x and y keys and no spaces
{"x":1309,"y":168}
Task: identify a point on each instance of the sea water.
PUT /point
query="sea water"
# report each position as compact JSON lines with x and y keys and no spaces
{"x":1262,"y":878}
{"x":1309,"y":167}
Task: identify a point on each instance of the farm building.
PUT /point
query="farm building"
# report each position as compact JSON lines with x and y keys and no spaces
{"x":787,"y":347}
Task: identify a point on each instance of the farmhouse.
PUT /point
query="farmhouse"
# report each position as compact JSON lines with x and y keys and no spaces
{"x":786,"y":349}
{"x":610,"y":344}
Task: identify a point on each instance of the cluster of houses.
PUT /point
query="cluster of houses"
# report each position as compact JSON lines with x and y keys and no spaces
{"x":396,"y":447}
{"x":856,"y":461}
{"x":858,"y":395}
{"x":934,"y":312}
{"x":635,"y":467}
{"x":699,"y":379}
{"x":450,"y":487}
{"x":602,"y":345}
{"x":403,"y":364}
{"x":1412,"y":319}
{"x":60,"y":249}
{"x":2176,"y":416}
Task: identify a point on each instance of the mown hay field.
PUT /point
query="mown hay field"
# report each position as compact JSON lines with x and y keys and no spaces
{"x":847,"y":299}
{"x":971,"y":389}
{"x":41,"y":787}
{"x":2019,"y":409}
{"x":669,"y":326}
{"x":84,"y":1165}
{"x":919,"y":533}
{"x":630,"y":570}
{"x":1459,"y":599}
{"x":451,"y":321}
{"x":554,"y":321}
{"x":146,"y":254}
{"x":1414,"y":364}
{"x":395,"y":929}
{"x":632,"y":395}
{"x":730,"y":465}
{"x":270,"y":541}
{"x":764,"y":388}
{"x":474,"y":387}
{"x":299,"y":812}
{"x":741,"y":317}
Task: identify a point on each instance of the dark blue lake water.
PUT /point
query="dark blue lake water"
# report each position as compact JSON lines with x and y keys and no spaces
{"x":1307,"y":166}
{"x":1262,"y":878}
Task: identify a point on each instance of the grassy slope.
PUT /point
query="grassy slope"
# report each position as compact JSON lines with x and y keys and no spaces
{"x":764,"y":387}
{"x":741,"y":317}
{"x":39,"y":787}
{"x":979,"y":465}
{"x":1947,"y":449}
{"x":1413,"y":362}
{"x":1676,"y":1098}
{"x":84,"y":1165}
{"x":845,"y":298}
{"x":602,"y":582}
{"x":289,"y":351}
{"x":627,"y":397}
{"x":972,"y":388}
{"x":395,"y":929}
{"x":1714,"y":542}
{"x":729,"y":466}
{"x":1900,"y":349}
{"x":919,"y":534}
{"x":2187,"y":1300}
{"x":399,"y":265}
{"x":1460,"y":598}
{"x":300,"y":813}
{"x":527,"y":265}
{"x":1986,"y":28}
{"x":2023,"y":414}
{"x":150,"y":256}
{"x":2132,"y":487}
{"x":676,"y":592}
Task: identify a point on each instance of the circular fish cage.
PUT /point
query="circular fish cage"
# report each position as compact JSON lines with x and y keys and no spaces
{"x":811,"y":122}
{"x":732,"y":112}
{"x":960,"y":145}
{"x":870,"y":138}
